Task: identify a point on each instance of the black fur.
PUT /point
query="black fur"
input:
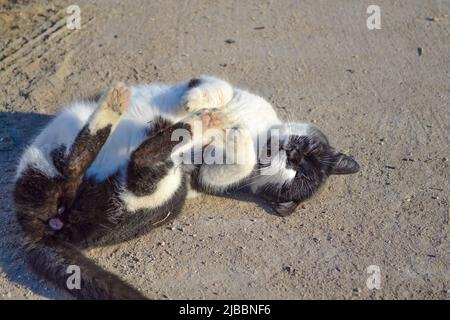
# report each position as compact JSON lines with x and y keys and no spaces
{"x":195,"y":82}
{"x":314,"y":161}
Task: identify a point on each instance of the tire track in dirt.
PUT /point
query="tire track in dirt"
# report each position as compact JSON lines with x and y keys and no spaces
{"x":32,"y":42}
{"x":50,"y":49}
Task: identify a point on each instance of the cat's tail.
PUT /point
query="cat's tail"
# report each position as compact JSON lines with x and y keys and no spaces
{"x":66,"y":267}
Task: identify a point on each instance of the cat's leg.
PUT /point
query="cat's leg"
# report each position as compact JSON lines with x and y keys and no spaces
{"x":206,"y":92}
{"x":152,"y":177}
{"x":239,"y":160}
{"x":91,"y":139}
{"x":228,"y":154}
{"x":157,"y":167}
{"x":83,"y":152}
{"x":94,"y":134}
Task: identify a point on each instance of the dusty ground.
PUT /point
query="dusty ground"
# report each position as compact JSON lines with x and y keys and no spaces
{"x":370,"y":90}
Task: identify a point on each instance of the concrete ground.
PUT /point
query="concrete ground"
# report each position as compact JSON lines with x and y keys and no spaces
{"x":380,"y":95}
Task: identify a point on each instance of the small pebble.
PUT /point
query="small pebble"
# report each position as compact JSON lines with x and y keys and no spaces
{"x":430,"y":19}
{"x":292,"y":271}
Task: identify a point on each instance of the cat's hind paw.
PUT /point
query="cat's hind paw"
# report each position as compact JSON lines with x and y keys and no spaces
{"x":112,"y":106}
{"x":117,"y":99}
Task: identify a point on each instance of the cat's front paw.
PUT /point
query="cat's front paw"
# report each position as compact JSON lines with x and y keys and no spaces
{"x":205,"y":120}
{"x":195,"y":99}
{"x":208,"y":119}
{"x":213,"y":119}
{"x":206,"y":92}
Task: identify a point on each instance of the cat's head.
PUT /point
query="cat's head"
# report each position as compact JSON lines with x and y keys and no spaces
{"x":294,"y":166}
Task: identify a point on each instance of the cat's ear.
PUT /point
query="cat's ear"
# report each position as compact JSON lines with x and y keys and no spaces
{"x":344,"y":164}
{"x":284,"y":209}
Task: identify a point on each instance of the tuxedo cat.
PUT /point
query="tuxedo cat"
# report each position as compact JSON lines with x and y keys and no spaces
{"x":106,"y":172}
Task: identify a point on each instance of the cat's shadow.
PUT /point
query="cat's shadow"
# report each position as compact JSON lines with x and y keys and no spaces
{"x":243,"y":194}
{"x":17,"y":130}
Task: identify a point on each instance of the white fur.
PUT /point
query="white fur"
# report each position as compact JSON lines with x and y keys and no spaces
{"x":219,"y":177}
{"x":165,"y":189}
{"x":276,"y":173}
{"x":212,"y":93}
{"x":62,"y":130}
{"x":101,"y":118}
{"x":34,"y":157}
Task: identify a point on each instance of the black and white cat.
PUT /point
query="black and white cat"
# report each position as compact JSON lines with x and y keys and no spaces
{"x":106,"y":172}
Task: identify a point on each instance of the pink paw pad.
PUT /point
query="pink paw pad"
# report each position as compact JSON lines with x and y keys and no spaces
{"x":56,"y":224}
